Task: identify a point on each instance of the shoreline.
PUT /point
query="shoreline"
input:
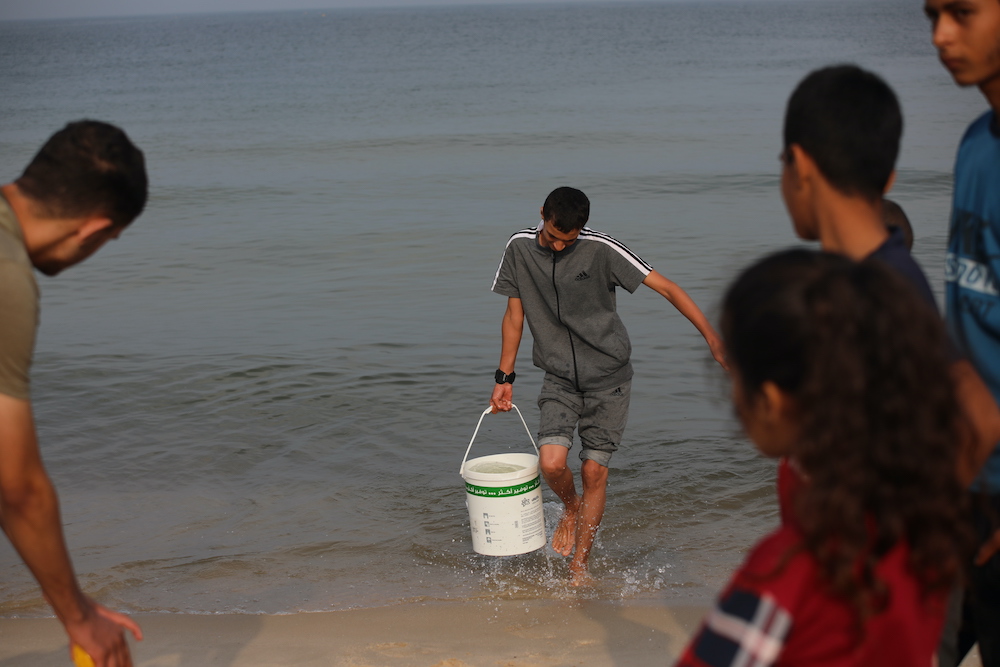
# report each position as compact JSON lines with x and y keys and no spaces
{"x":512,"y":633}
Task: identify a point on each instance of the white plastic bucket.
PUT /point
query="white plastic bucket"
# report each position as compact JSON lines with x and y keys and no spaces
{"x":503,"y":493}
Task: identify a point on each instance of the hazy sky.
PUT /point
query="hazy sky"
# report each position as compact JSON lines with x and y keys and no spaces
{"x":46,"y":9}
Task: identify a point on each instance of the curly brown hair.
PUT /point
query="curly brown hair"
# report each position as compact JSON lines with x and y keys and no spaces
{"x":865,"y":362}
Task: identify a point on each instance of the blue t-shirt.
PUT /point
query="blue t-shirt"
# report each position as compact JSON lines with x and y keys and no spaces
{"x":972,"y":297}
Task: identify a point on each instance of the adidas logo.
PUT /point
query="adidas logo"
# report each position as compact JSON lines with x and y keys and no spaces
{"x":583,"y":275}
{"x":618,"y":391}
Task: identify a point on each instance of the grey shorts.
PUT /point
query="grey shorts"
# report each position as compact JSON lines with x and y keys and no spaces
{"x":598,"y":416}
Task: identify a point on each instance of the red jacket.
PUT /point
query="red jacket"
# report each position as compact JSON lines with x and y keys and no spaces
{"x":774,"y":614}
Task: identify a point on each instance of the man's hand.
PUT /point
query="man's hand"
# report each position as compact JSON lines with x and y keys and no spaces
{"x":101,"y":633}
{"x":718,"y":351}
{"x":503,"y":394}
{"x":989,"y":548}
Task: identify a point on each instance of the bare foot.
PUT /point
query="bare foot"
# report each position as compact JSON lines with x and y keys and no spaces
{"x":578,"y":575}
{"x":564,"y":539}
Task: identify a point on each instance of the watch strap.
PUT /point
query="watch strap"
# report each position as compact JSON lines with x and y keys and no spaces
{"x":504,"y":378}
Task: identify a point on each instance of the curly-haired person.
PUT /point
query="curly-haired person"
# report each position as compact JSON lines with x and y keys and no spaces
{"x":874,"y":539}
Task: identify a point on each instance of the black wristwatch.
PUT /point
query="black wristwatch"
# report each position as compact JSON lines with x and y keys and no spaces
{"x":503,"y":378}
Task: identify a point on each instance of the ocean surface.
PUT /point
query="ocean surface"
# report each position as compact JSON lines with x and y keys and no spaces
{"x":258,"y":399}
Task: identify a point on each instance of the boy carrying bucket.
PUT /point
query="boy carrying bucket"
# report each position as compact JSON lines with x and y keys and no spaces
{"x":562,"y":276}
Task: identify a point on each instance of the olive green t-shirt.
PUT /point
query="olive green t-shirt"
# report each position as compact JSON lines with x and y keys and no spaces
{"x":18,"y":307}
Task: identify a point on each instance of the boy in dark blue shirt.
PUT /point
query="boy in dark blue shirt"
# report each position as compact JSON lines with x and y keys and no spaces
{"x":841,"y":138}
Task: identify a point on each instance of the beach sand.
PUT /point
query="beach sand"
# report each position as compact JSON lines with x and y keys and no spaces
{"x":498,"y":633}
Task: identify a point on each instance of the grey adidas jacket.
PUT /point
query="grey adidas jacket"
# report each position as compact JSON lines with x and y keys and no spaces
{"x":569,"y":301}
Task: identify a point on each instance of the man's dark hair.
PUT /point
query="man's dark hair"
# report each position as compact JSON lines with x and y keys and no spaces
{"x":567,"y":209}
{"x":848,"y":121}
{"x":88,"y":168}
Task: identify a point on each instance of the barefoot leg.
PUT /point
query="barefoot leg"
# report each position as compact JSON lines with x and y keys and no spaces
{"x":564,"y":538}
{"x":560,"y":480}
{"x":595,"y":487}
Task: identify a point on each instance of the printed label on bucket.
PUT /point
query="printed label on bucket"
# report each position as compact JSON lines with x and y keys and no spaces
{"x":503,"y":491}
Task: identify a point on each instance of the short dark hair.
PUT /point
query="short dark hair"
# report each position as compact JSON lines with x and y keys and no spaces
{"x":88,"y":168}
{"x":568,"y":209}
{"x":848,"y":121}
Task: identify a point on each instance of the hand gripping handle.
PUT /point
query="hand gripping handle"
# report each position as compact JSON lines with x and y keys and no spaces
{"x":461,"y":470}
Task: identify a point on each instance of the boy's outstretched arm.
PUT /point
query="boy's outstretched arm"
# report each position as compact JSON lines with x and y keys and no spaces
{"x":511,"y":328}
{"x":689,"y":309}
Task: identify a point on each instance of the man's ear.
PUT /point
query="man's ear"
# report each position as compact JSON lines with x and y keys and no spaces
{"x":773,"y":403}
{"x":776,"y":411}
{"x":801,"y":163}
{"x":91,"y":228}
{"x":890,"y":182}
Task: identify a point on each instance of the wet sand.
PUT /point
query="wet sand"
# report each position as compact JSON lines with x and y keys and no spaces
{"x":506,"y":633}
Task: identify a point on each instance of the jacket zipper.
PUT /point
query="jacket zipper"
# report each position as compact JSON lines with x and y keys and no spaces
{"x":572,"y":347}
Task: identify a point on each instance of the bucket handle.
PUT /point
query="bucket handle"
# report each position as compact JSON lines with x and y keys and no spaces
{"x":461,"y":470}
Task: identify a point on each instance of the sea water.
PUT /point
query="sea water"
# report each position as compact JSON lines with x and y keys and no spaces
{"x":257,"y":400}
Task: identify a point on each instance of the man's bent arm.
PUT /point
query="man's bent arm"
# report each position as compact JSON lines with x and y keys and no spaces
{"x":686,"y":306}
{"x":29,"y":515}
{"x":982,"y":417}
{"x":983,"y":421}
{"x":511,"y":330}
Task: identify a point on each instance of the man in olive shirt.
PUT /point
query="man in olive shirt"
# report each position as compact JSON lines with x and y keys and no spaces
{"x":85,"y":185}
